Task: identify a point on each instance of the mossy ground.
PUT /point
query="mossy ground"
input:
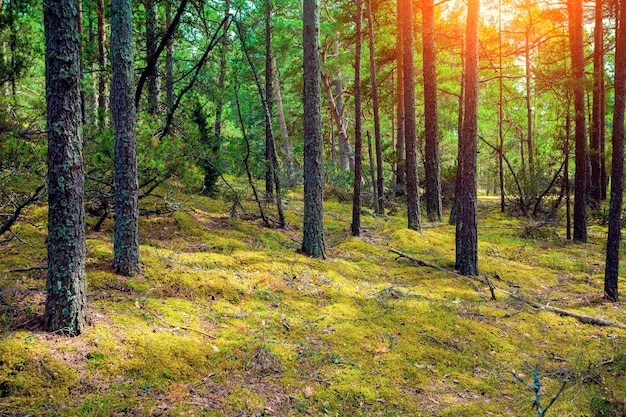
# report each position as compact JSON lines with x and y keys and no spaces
{"x":229,"y":319}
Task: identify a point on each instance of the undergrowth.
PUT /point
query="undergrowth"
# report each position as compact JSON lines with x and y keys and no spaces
{"x":229,"y":319}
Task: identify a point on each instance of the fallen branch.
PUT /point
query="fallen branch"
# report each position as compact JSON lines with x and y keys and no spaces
{"x":421,"y":262}
{"x":580,"y":317}
{"x":210,"y":336}
{"x":32,"y":268}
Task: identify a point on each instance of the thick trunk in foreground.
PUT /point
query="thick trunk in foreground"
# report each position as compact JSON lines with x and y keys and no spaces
{"x":126,"y":236}
{"x":466,"y":217}
{"x":313,"y":235}
{"x":66,"y":298}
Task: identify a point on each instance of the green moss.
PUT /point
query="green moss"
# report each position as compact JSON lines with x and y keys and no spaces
{"x":227,"y":317}
{"x":27,"y":373}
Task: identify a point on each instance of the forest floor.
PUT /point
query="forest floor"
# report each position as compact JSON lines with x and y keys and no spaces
{"x":228,"y":319}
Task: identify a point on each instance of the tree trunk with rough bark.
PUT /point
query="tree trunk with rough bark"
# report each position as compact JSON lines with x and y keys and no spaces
{"x":281,"y":114}
{"x":66,"y":296}
{"x":412,"y":189}
{"x":597,"y":118}
{"x":617,"y":171}
{"x":154,"y":85}
{"x":355,"y":227}
{"x":433,"y":177}
{"x":380,"y":183}
{"x":126,"y":236}
{"x":103,"y":98}
{"x":400,"y":185}
{"x":169,"y":57}
{"x":313,"y":234}
{"x":575,"y":14}
{"x":466,"y":217}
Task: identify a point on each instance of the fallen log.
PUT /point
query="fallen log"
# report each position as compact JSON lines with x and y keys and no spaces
{"x":580,"y":317}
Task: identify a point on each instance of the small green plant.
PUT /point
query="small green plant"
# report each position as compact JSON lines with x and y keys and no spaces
{"x":536,"y":388}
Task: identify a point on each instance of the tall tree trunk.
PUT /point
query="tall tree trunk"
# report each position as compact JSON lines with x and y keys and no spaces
{"x":400,"y":151}
{"x":169,"y":57}
{"x":221,"y":84}
{"x":151,"y":48}
{"x":380,"y":184}
{"x":575,"y":14}
{"x":568,"y":211}
{"x":313,"y":234}
{"x":346,"y":158}
{"x":103,"y":99}
{"x":433,"y":177}
{"x":81,"y":50}
{"x":66,"y":296}
{"x":597,"y":118}
{"x":269,"y":137}
{"x":459,"y":128}
{"x":466,"y":221}
{"x":281,"y":115}
{"x":372,"y":169}
{"x":412,"y":191}
{"x":13,"y":49}
{"x":501,"y":112}
{"x":529,"y":109}
{"x":126,"y":236}
{"x":355,"y":228}
{"x":617,"y":163}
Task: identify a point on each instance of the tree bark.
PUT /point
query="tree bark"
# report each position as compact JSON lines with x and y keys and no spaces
{"x":169,"y":58}
{"x":66,"y":297}
{"x":355,"y":228}
{"x":346,"y":158}
{"x":400,"y":151}
{"x":313,"y":234}
{"x":575,"y":14}
{"x":380,"y":183}
{"x":617,"y":164}
{"x":433,"y":177}
{"x":412,"y":189}
{"x":269,"y":137}
{"x":597,"y":118}
{"x":126,"y":236}
{"x":221,"y":84}
{"x":529,"y":109}
{"x":151,"y":47}
{"x":103,"y":99}
{"x":281,"y":115}
{"x":501,"y":112}
{"x":466,"y":220}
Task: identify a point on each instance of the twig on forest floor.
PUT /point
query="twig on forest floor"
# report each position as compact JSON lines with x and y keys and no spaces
{"x":143,"y":307}
{"x":580,"y":317}
{"x":32,"y":268}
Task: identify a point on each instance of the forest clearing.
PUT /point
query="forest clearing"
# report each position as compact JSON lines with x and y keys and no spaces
{"x":228,"y":319}
{"x":305,"y":207}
